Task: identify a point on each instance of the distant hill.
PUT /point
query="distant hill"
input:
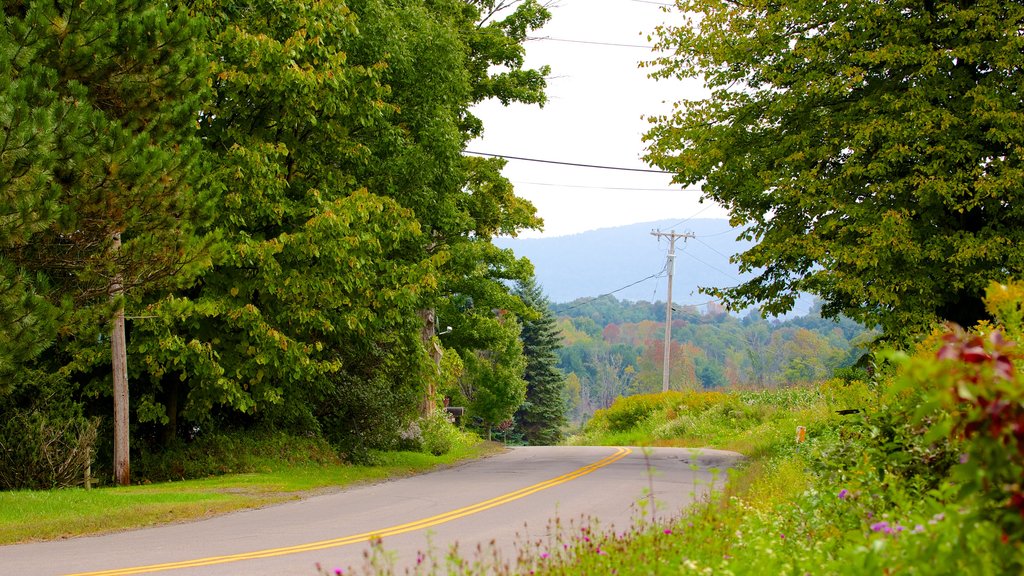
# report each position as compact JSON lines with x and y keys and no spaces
{"x":600,"y":261}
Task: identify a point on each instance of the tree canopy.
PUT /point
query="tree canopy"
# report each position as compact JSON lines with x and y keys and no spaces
{"x":289,"y":182}
{"x":873,"y":150}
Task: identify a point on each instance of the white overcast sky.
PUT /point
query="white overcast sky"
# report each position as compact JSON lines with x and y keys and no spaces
{"x":597,"y":98}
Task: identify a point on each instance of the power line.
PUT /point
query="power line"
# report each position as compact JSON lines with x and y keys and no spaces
{"x":688,"y":218}
{"x":730,"y":275}
{"x":659,"y":274}
{"x":729,"y":231}
{"x":607,"y":187}
{"x":594,"y":42}
{"x":710,"y":247}
{"x":489,"y":155}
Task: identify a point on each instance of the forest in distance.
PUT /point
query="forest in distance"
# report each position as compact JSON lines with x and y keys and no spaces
{"x":613,"y":348}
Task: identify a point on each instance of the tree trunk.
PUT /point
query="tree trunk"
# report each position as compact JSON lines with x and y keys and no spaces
{"x":434,"y":351}
{"x":119,"y":366}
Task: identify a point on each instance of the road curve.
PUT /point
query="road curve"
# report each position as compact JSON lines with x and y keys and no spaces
{"x":504,"y":499}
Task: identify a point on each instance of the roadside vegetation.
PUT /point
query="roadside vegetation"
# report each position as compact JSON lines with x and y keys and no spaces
{"x":232,"y":472}
{"x":923,"y":478}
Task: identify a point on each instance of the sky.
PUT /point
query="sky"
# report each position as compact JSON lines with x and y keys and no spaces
{"x":597,"y":101}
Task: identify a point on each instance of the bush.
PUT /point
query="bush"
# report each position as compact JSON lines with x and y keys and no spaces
{"x":629,"y":411}
{"x":44,"y":450}
{"x":440,"y":436}
{"x":229,"y":453}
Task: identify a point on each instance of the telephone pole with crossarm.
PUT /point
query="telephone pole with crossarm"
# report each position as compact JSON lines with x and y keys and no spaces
{"x":670,"y":267}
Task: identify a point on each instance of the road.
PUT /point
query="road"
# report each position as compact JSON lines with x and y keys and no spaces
{"x":506,"y":499}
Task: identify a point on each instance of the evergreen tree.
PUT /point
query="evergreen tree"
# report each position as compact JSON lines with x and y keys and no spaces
{"x":98,"y":106}
{"x":542,"y":415}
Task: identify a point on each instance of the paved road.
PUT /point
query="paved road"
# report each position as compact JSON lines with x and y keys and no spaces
{"x":506,"y":498}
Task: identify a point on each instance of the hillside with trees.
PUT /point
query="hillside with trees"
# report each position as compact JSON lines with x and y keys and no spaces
{"x":613,"y":348}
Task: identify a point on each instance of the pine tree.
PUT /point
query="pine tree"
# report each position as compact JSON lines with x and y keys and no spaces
{"x":98,"y":107}
{"x":542,"y":415}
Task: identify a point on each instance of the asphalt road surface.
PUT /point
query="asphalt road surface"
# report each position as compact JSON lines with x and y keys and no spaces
{"x":506,"y":499}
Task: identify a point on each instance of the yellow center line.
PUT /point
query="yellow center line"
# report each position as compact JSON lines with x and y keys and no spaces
{"x":619,"y":454}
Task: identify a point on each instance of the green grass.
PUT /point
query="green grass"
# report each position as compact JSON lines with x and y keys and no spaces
{"x":45,"y":515}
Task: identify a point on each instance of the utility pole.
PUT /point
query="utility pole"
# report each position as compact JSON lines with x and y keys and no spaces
{"x":119,"y":366}
{"x":670,"y":266}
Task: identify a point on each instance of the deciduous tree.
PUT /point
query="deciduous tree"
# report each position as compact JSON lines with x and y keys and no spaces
{"x":873,"y":150}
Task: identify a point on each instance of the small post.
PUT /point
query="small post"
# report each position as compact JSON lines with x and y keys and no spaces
{"x":87,"y":481}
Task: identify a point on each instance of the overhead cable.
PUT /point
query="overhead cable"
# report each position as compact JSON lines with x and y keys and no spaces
{"x":626,"y":188}
{"x":507,"y":157}
{"x":659,"y":274}
{"x":594,"y":42}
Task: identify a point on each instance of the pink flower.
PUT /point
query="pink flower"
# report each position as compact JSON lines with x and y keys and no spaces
{"x":881,"y":527}
{"x":668,"y":531}
{"x":844,"y":494}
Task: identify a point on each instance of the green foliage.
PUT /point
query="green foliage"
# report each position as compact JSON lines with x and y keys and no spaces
{"x":970,"y":399}
{"x":441,"y":436}
{"x":542,"y":415}
{"x":493,"y":382}
{"x":708,"y":351}
{"x":92,"y":151}
{"x":230,"y":453}
{"x":290,"y":186}
{"x":98,"y":110}
{"x":852,"y":141}
{"x":45,"y":449}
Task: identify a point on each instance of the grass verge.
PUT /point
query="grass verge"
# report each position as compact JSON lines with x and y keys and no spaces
{"x":46,"y":515}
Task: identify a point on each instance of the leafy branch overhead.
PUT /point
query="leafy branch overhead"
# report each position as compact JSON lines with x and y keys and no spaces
{"x":873,"y":151}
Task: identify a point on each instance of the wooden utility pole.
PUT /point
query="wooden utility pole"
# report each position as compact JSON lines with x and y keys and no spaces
{"x":670,"y":267}
{"x":119,"y":366}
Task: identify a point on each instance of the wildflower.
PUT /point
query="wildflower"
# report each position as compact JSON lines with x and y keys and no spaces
{"x":338,"y":572}
{"x":937,"y":518}
{"x":544,"y":555}
{"x":782,"y":536}
{"x":881,"y":527}
{"x":964,"y":458}
{"x":844,"y":494}
{"x":668,"y":531}
{"x":917,"y":529}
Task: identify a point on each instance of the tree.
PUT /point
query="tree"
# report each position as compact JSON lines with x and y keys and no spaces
{"x":871,"y":149}
{"x":493,"y":380}
{"x":542,"y":415}
{"x":308,"y":319}
{"x":97,"y":120}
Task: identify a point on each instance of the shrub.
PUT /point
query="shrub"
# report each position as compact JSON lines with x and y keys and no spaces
{"x":440,"y":436}
{"x":45,"y":449}
{"x":229,"y":453}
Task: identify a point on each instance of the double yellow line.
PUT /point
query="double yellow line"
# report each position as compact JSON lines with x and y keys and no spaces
{"x":619,"y":454}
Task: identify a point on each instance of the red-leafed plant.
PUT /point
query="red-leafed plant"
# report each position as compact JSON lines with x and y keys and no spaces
{"x":975,"y":399}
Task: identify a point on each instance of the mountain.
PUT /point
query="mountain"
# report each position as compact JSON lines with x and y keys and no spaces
{"x":602,"y":261}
